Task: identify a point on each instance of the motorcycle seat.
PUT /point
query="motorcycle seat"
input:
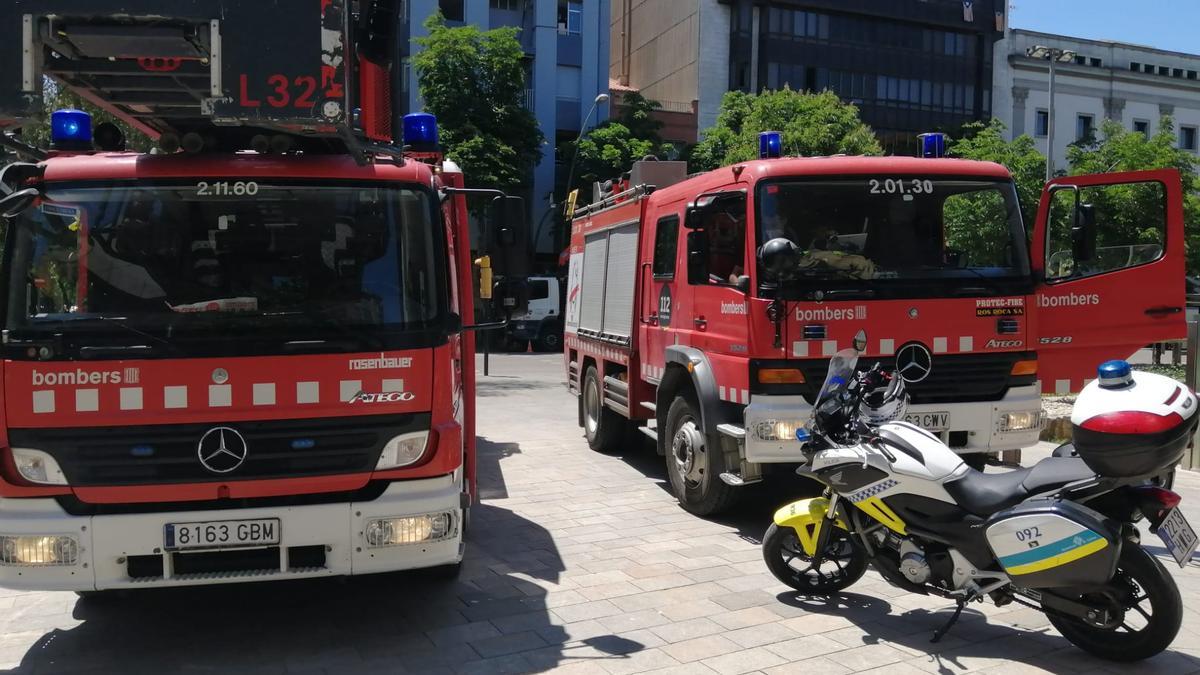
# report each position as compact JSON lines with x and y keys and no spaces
{"x":986,"y":493}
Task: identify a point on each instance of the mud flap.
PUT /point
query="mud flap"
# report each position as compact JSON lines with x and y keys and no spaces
{"x":806,"y":518}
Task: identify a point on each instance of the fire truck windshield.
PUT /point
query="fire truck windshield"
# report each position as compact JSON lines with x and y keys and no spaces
{"x":899,"y":236}
{"x":231,"y":262}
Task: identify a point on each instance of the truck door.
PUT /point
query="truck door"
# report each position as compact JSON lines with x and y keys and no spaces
{"x":659,"y":294}
{"x":1108,"y":254}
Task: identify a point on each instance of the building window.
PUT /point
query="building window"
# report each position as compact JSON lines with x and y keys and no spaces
{"x":1191,"y":74}
{"x":1187,"y":138}
{"x":1084,"y":125}
{"x":1135,"y":66}
{"x":1148,"y":68}
{"x":509,"y":5}
{"x":1177,"y":72}
{"x":570,"y":17}
{"x":1095,"y":62}
{"x":1164,"y":71}
{"x":1142,"y":127}
{"x":1041,"y":123}
{"x":452,"y":9}
{"x":1080,"y":59}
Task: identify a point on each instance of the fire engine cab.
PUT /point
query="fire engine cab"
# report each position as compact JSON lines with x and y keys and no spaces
{"x":703,"y":310}
{"x":240,"y":356}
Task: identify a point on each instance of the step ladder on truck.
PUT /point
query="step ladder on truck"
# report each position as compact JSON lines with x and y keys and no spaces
{"x":242,"y":355}
{"x":703,"y":310}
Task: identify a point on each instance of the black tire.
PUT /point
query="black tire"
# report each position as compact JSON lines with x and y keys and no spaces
{"x":845,"y":562}
{"x":603,"y":428}
{"x":550,"y":341}
{"x":693,"y":471}
{"x":1140,"y":578}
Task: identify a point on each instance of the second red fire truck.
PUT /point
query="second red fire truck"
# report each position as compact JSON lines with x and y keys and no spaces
{"x":703,"y":310}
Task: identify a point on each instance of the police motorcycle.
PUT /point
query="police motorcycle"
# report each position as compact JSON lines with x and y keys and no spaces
{"x":1060,"y":536}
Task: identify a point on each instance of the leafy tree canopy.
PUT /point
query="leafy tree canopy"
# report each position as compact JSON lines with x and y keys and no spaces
{"x":985,"y":142}
{"x":811,"y":124}
{"x":613,"y":146}
{"x":474,"y":82}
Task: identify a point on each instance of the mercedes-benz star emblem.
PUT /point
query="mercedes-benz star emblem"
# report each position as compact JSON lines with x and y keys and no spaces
{"x":913,"y":362}
{"x":221,"y":450}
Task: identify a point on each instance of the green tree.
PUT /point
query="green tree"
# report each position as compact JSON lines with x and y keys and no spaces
{"x":811,"y":124}
{"x":474,"y":82}
{"x":986,"y":142}
{"x":613,"y":146}
{"x":1124,"y":212}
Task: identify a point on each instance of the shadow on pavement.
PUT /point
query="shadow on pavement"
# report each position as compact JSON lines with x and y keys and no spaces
{"x":494,"y":617}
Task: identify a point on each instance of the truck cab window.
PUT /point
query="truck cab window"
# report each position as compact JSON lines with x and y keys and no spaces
{"x":666,"y":242}
{"x":1130,"y":229}
{"x":724,"y":227}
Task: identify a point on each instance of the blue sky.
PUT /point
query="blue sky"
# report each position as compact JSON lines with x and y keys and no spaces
{"x":1165,"y":24}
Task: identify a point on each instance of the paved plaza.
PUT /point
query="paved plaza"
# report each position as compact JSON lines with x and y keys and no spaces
{"x":577,"y":563}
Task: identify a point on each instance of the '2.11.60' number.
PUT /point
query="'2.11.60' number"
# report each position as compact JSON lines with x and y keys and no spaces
{"x":226,"y":189}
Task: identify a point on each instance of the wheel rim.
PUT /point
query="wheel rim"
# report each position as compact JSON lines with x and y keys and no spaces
{"x":591,"y":406}
{"x":550,"y":341}
{"x":687,"y":451}
{"x":833,"y":568}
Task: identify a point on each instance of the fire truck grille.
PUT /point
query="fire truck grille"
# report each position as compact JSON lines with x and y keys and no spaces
{"x":155,"y":455}
{"x":953,"y":377}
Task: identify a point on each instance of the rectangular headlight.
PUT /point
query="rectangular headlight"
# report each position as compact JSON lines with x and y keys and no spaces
{"x":777,"y":430}
{"x":1020,"y":421}
{"x":402,"y":450}
{"x":410,"y":529}
{"x":38,"y":550}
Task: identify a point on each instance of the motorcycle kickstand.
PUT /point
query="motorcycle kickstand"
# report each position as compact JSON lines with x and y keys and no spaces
{"x":941,"y":632}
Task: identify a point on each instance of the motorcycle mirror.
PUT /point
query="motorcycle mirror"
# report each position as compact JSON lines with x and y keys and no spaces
{"x":860,"y":341}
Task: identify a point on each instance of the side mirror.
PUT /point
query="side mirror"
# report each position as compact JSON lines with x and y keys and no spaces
{"x":1083,"y":232}
{"x":778,"y":258}
{"x":860,"y":341}
{"x":510,"y":248}
{"x":15,"y":202}
{"x":697,"y":257}
{"x":693,"y":217}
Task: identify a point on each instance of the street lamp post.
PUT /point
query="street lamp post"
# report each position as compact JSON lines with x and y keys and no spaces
{"x":600,"y":98}
{"x":1053,"y":55}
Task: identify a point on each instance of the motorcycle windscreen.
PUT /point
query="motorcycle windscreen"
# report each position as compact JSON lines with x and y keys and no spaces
{"x":1109,"y":252}
{"x":841,"y":373}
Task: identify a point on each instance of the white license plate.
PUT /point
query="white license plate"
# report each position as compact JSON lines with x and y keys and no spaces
{"x":217,"y":534}
{"x":932,"y":421}
{"x":1178,"y":535}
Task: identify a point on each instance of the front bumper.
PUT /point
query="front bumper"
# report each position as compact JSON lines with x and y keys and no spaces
{"x":978,"y":421}
{"x":109,"y":544}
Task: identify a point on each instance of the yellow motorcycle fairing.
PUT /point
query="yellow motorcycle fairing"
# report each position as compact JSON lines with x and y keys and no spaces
{"x":806,"y":518}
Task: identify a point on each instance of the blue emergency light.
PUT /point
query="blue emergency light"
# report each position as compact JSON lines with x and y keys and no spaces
{"x":421,"y":131}
{"x":933,"y":144}
{"x":1115,"y":374}
{"x":770,"y":145}
{"x":70,"y":128}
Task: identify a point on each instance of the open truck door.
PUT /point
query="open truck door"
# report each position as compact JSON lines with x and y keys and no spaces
{"x":1108,"y":256}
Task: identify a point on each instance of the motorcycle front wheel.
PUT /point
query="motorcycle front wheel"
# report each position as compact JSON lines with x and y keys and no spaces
{"x":1144,"y":603}
{"x":842,"y":564}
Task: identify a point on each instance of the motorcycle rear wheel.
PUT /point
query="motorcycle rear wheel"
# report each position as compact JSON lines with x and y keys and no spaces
{"x":1140,"y":635}
{"x":842,"y":564}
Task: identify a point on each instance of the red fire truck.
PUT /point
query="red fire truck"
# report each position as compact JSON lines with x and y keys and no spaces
{"x":704,"y":310}
{"x":244,"y":360}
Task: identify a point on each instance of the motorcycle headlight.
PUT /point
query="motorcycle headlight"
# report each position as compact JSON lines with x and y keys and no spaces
{"x":402,"y":450}
{"x":38,"y":467}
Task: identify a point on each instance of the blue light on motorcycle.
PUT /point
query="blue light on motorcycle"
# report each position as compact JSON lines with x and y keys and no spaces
{"x":802,"y":435}
{"x":1115,"y":374}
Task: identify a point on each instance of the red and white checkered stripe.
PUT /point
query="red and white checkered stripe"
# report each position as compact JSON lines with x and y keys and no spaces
{"x":805,"y":349}
{"x":192,"y":397}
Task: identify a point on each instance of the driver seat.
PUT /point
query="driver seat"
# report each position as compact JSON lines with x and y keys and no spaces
{"x":986,"y":493}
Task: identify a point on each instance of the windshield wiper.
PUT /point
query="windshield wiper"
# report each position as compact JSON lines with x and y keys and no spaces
{"x":116,"y":321}
{"x":357,"y":337}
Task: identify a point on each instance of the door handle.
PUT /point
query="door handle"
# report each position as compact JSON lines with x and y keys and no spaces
{"x":700,"y":322}
{"x":1163,"y":311}
{"x":652,"y":318}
